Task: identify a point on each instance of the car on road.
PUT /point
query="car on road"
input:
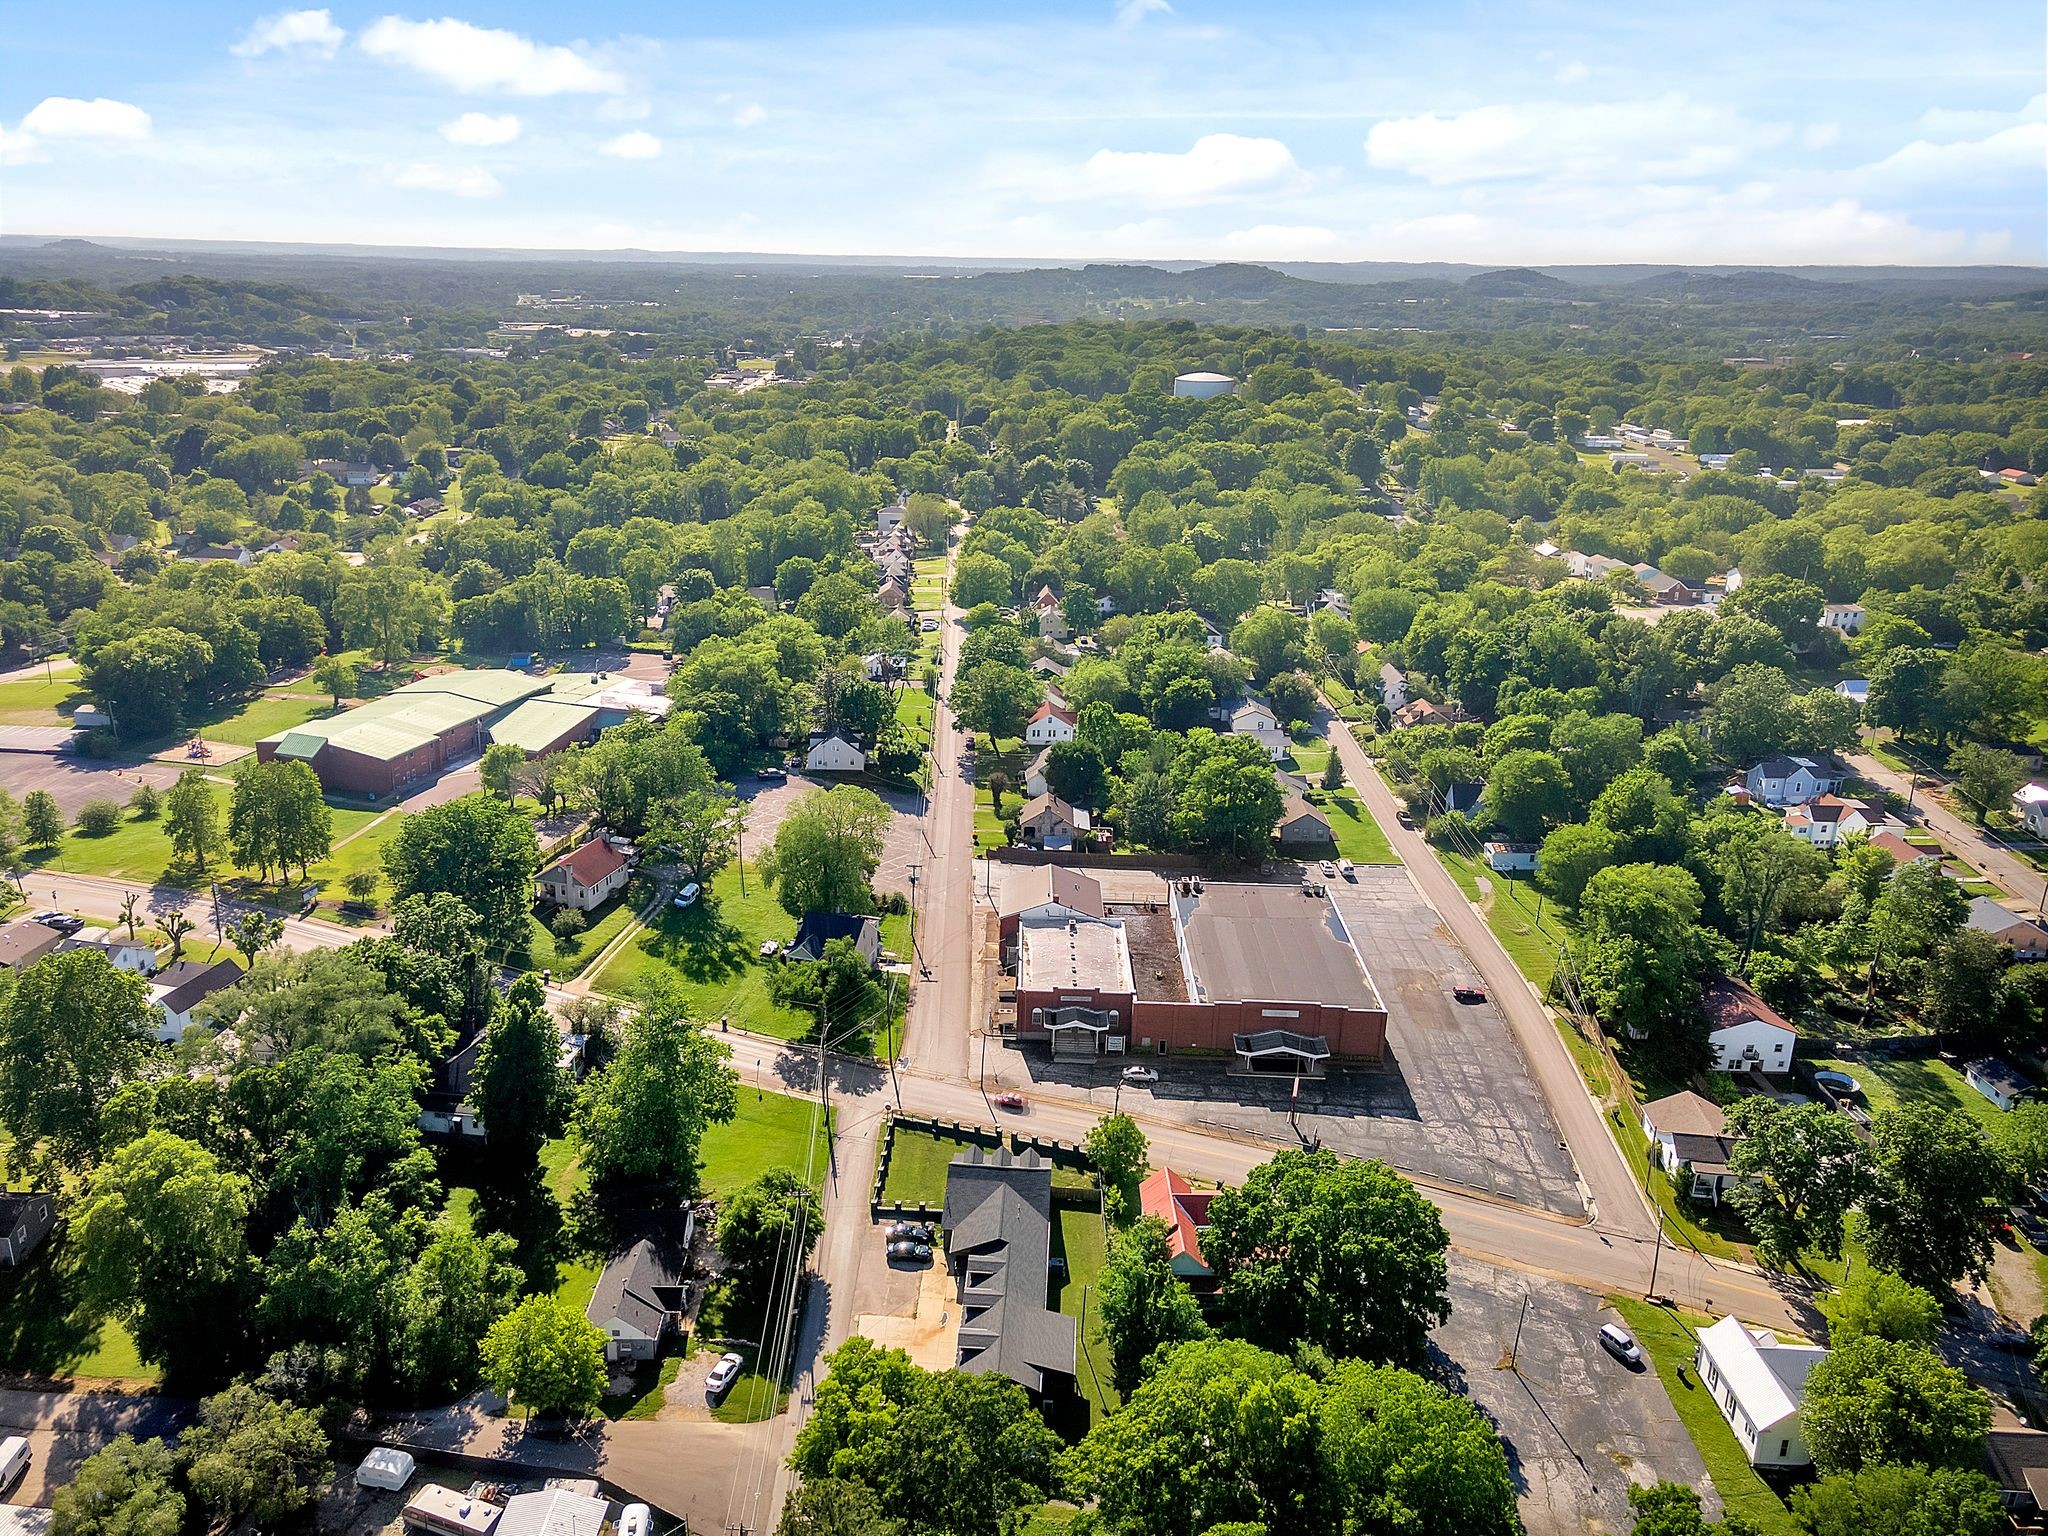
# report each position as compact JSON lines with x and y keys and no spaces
{"x":687,"y":896}
{"x":1405,"y":819}
{"x":910,"y":1253}
{"x":1621,"y":1344}
{"x":774,"y":773}
{"x":1010,"y":1101}
{"x":1347,"y":869}
{"x":910,"y":1232}
{"x":1329,"y":870}
{"x":770,"y":948}
{"x":1469,"y":992}
{"x":1140,"y":1075}
{"x":723,"y":1375}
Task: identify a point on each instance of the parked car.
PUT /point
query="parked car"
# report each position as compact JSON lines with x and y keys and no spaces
{"x":723,"y":1375}
{"x":687,"y":896}
{"x":1011,"y":1101}
{"x":910,"y":1253}
{"x":1329,"y":870}
{"x":910,"y":1232}
{"x":1347,"y":869}
{"x":636,"y":1520}
{"x":770,"y":948}
{"x":1469,"y":992}
{"x":928,"y":624}
{"x":774,"y":773}
{"x":1140,"y":1075}
{"x":1621,"y":1344}
{"x":13,"y":1460}
{"x":63,"y":922}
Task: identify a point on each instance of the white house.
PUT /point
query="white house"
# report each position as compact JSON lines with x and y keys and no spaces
{"x":180,"y":988}
{"x":1826,"y":820}
{"x":1052,"y":622}
{"x":888,"y":519}
{"x":1844,"y":618}
{"x":1256,"y":720}
{"x":1792,"y":780}
{"x":1757,"y":1383}
{"x":1512,"y":858}
{"x":122,"y":954}
{"x":834,"y":751}
{"x":1393,"y":687}
{"x":1689,"y":1134}
{"x":2030,"y":805}
{"x":1743,"y":1032}
{"x":1333,"y":600}
{"x":1050,"y":724}
{"x":1855,"y":689}
{"x":1034,"y":774}
{"x":1997,"y":1081}
{"x":585,"y":879}
{"x":1212,"y":635}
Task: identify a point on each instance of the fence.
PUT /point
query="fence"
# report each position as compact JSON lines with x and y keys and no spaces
{"x":1061,"y":1154}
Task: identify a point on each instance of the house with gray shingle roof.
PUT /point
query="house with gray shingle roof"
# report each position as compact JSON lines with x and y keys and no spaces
{"x":998,"y":1219}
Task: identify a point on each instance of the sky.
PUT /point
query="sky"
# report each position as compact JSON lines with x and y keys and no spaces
{"x":1747,"y":131}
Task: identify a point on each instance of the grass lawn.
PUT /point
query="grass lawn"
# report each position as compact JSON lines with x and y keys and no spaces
{"x":1307,"y":758}
{"x":650,"y":1387}
{"x":567,"y":957}
{"x":712,"y":950}
{"x":1890,"y":1082}
{"x":1358,"y":836}
{"x":262,"y":716}
{"x":45,"y":1330}
{"x":914,"y":711}
{"x":1714,"y":1232}
{"x":917,"y":1167}
{"x":769,"y":1131}
{"x":1510,"y":911}
{"x":1079,"y":1238}
{"x":40,"y":701}
{"x":752,"y":1398}
{"x":1667,"y":1334}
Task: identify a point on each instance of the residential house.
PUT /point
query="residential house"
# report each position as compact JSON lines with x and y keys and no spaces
{"x":834,"y":751}
{"x":1998,"y":1081}
{"x":1255,"y":719}
{"x":1513,"y":858}
{"x":1855,"y":689}
{"x":2030,"y":805}
{"x":1302,"y":825}
{"x":1034,"y":773}
{"x":344,"y":472}
{"x":1463,"y":796}
{"x":1844,"y":618}
{"x":892,"y":594}
{"x":2016,"y":1461}
{"x":1743,"y":1032}
{"x":1185,"y":1210}
{"x":1052,"y":622}
{"x":1393,"y":686}
{"x":2018,"y":477}
{"x":1212,"y":633}
{"x":1422,"y":712}
{"x":1757,"y":1383}
{"x":1594,"y":567}
{"x":1547,"y":551}
{"x":1050,"y":666}
{"x":1826,"y":820}
{"x":640,"y":1297}
{"x":1049,"y":822}
{"x":585,"y":879}
{"x":2024,"y":936}
{"x":1903,"y":852}
{"x":1046,"y":893}
{"x":1792,"y":780}
{"x":818,"y":929}
{"x":1049,"y":723}
{"x":25,"y":1220}
{"x":23,"y":943}
{"x":1689,"y":1138}
{"x":888,"y":519}
{"x":132,"y":955}
{"x":178,"y":989}
{"x":998,"y":1226}
{"x":234,"y":553}
{"x":1663,"y":588}
{"x":1333,"y":600}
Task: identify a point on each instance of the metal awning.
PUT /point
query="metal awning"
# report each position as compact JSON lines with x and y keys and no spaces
{"x":1097,"y":1020}
{"x":1282,"y":1042}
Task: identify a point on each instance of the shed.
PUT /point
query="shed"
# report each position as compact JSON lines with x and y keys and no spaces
{"x":386,"y":1467}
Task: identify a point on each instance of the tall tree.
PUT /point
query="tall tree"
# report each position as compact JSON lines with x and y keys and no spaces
{"x":460,"y":1285}
{"x":1939,"y":1184}
{"x":1409,"y":1456}
{"x":251,"y":1457}
{"x":521,"y":1091}
{"x":72,"y":1029}
{"x":1344,"y":1255}
{"x":546,"y":1356}
{"x":1803,"y":1167}
{"x":643,"y":1117}
{"x":1876,"y":1401}
{"x":42,"y":821}
{"x":703,"y":826}
{"x":826,"y":851}
{"x":1144,"y":1304}
{"x":336,"y":676}
{"x":1875,"y":1304}
{"x":477,"y":849}
{"x":390,"y":609}
{"x":1900,"y":1501}
{"x":768,"y":1227}
{"x":192,"y":820}
{"x":1760,"y":866}
{"x":128,"y":1487}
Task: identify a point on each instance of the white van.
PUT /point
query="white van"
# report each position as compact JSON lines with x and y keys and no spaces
{"x":636,"y":1520}
{"x":13,"y":1460}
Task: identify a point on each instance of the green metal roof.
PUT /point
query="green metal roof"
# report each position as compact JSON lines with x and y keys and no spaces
{"x":299,"y":744}
{"x":538,"y":724}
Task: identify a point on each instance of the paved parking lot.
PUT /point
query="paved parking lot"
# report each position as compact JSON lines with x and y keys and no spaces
{"x":903,"y":843}
{"x":73,"y":781}
{"x":1579,"y":1426}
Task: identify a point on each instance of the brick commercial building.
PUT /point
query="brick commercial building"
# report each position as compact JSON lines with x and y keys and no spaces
{"x":416,"y":733}
{"x":1263,"y":972}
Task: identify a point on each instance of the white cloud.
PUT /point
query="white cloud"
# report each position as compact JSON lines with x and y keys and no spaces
{"x":752,"y":115}
{"x":2020,"y":150}
{"x":482,"y":129}
{"x":66,"y":117}
{"x":1943,"y":123}
{"x":1669,"y":136}
{"x":455,"y":180}
{"x":1281,"y":242}
{"x":1572,"y":73}
{"x":636,"y":145}
{"x":1130,"y":12}
{"x":472,"y":58}
{"x":1820,"y":135}
{"x":312,"y":32}
{"x":1217,"y":168}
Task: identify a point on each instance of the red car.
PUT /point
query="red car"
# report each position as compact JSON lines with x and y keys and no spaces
{"x":1010,"y":1101}
{"x":1469,"y":992}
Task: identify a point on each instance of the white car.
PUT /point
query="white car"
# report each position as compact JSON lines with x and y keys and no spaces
{"x":1347,"y":869}
{"x":13,"y":1459}
{"x":1140,"y":1075}
{"x":687,"y":896}
{"x":1621,"y":1344}
{"x":723,"y":1375}
{"x":928,"y":624}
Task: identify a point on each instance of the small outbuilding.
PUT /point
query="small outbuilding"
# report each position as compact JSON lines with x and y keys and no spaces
{"x":387,"y":1468}
{"x":1998,"y":1081}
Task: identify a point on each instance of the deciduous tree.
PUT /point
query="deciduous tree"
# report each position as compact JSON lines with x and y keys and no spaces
{"x":1144,"y":1304}
{"x":1876,"y":1401}
{"x":546,"y":1356}
{"x":826,"y":851}
{"x":643,"y":1117}
{"x":1803,"y":1167}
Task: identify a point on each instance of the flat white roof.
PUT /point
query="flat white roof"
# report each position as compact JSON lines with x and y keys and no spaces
{"x":1081,"y":955}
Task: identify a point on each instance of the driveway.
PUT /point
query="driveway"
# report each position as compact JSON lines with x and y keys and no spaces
{"x":63,"y":1428}
{"x":1580,"y":1427}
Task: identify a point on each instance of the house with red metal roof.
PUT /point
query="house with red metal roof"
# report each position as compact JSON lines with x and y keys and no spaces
{"x":1185,"y":1210}
{"x":585,"y":879}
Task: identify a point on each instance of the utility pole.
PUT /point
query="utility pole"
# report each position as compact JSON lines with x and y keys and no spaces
{"x":1514,"y":1349}
{"x":916,"y":953}
{"x":1656,"y":1255}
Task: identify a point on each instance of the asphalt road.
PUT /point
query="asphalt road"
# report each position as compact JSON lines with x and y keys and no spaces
{"x":2019,"y":878}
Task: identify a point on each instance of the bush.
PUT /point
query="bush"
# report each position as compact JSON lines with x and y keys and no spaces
{"x":567,"y":923}
{"x":99,"y":818}
{"x":147,"y":802}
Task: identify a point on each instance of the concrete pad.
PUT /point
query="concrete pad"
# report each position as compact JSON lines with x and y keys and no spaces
{"x":930,"y":1335}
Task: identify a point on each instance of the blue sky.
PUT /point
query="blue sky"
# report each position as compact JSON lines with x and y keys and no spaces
{"x":1734,"y":132}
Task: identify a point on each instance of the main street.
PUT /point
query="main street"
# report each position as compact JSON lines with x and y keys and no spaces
{"x":1999,"y":864}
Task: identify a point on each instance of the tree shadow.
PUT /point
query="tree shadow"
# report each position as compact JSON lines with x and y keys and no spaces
{"x":700,"y":944}
{"x":525,"y":1210}
{"x":45,"y":1330}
